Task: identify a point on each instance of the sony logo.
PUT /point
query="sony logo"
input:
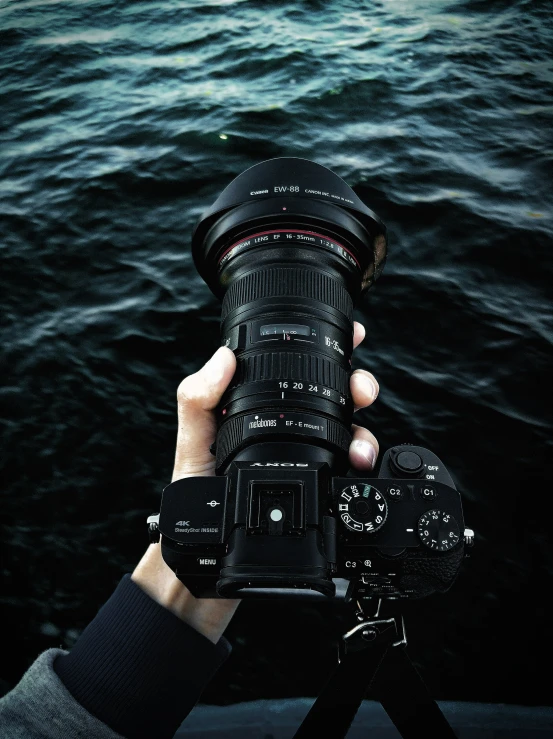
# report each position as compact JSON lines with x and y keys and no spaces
{"x":279,"y":464}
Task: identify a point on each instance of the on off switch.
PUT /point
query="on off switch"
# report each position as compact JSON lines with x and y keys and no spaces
{"x":406,"y":464}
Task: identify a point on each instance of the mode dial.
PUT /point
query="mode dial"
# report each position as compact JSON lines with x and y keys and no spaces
{"x":362,"y":508}
{"x":438,"y":530}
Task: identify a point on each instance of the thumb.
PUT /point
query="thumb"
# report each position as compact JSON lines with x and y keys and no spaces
{"x":197,"y":396}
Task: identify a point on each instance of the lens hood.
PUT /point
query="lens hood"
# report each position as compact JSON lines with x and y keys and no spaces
{"x":269,"y":192}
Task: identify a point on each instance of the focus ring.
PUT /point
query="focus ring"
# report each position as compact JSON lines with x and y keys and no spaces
{"x":294,"y":366}
{"x":287,"y":282}
{"x":231,"y":436}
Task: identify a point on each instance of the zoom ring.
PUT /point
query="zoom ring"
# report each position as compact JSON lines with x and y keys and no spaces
{"x":231,"y":437}
{"x":294,"y":366}
{"x":272,"y":282}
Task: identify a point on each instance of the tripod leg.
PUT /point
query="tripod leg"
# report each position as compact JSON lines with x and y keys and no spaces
{"x":334,"y":710}
{"x":406,"y":700}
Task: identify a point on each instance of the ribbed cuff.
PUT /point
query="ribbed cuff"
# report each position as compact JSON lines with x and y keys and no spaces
{"x":137,"y":667}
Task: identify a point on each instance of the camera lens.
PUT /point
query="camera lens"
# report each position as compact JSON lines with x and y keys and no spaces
{"x":289,"y":247}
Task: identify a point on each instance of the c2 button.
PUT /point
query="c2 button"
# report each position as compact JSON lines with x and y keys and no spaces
{"x":395,"y":492}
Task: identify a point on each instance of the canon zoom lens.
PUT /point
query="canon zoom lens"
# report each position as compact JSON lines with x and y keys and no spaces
{"x":289,"y":247}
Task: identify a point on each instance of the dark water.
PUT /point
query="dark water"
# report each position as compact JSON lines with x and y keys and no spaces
{"x":121,"y":124}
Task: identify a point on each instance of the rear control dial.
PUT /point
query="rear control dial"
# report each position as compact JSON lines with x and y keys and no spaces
{"x":438,"y":530}
{"x":362,"y":508}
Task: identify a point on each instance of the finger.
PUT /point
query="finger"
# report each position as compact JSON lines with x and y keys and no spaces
{"x":364,"y":388}
{"x":358,"y":333}
{"x":197,"y":396}
{"x":363,"y":449}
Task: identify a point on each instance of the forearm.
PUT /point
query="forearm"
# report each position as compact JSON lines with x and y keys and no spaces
{"x":209,"y":616}
{"x":138,"y":667}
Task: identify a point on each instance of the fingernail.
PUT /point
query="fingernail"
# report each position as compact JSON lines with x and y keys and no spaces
{"x":374,"y":387}
{"x":215,"y":367}
{"x":366,"y":450}
{"x":370,"y":384}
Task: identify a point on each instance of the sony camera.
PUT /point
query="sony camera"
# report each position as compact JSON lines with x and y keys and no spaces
{"x":290,"y":248}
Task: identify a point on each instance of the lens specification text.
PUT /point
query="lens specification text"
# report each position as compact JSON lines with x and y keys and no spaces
{"x":295,"y":189}
{"x":333,"y":344}
{"x":282,"y":236}
{"x":299,"y":423}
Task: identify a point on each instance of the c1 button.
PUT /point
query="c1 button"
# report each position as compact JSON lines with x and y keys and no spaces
{"x":428,"y":492}
{"x":395,"y":492}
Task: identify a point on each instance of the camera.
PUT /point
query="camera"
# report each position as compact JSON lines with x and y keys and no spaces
{"x":290,"y":248}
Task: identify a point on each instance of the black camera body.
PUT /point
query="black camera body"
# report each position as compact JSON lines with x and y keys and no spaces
{"x":290,"y":248}
{"x":270,"y":527}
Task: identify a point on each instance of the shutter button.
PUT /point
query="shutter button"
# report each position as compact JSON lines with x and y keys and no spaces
{"x":406,"y":464}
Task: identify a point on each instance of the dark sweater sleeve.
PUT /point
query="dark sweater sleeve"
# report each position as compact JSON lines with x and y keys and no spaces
{"x":137,"y":667}
{"x":136,"y":671}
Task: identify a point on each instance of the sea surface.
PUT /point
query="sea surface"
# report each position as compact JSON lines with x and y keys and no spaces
{"x":120,"y":124}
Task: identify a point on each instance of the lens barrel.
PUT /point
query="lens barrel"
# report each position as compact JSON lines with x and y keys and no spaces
{"x":289,"y":247}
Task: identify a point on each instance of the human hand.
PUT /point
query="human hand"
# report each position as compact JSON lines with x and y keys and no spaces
{"x":198,"y":395}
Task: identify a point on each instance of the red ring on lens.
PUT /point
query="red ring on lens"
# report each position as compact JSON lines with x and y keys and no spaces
{"x":288,"y":230}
